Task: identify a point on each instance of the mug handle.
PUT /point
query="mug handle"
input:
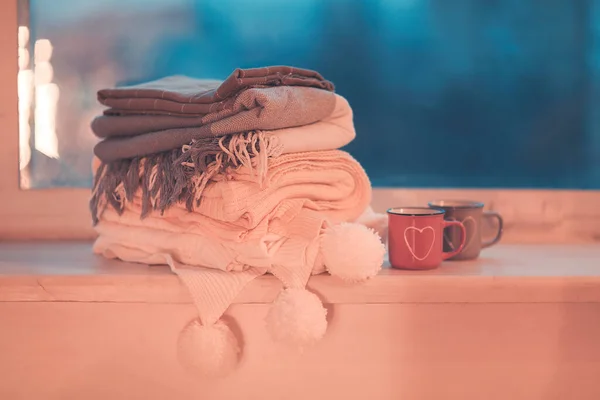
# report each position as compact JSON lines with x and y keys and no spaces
{"x":494,"y":214}
{"x":463,"y":238}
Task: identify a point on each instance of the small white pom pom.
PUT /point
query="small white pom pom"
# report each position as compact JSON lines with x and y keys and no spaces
{"x":352,"y":252}
{"x":297,"y":317}
{"x":211,"y":351}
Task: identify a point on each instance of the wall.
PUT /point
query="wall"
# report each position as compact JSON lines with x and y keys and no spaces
{"x":61,"y":350}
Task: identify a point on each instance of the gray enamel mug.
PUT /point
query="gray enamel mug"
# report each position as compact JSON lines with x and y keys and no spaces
{"x":471,"y":214}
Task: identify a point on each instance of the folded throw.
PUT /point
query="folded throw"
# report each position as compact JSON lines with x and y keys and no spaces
{"x":274,"y":101}
{"x":243,"y":229}
{"x":194,"y":240}
{"x":331,"y":182}
{"x":180,"y":95}
{"x":265,"y":246}
{"x":253,"y":109}
{"x":328,"y":181}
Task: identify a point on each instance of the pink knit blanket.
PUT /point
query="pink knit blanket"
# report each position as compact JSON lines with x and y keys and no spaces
{"x":330,"y":182}
{"x":243,"y":228}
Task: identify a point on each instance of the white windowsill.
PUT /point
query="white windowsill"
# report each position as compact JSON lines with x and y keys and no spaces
{"x":69,"y":272}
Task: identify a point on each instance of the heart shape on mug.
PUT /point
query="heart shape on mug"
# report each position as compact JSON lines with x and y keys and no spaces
{"x":470,"y":221}
{"x":420,"y":231}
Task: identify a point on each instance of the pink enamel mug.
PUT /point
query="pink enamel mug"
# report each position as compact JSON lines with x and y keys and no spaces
{"x":415,"y":237}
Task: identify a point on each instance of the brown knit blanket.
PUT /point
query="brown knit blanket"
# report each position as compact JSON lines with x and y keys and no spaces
{"x":180,"y":95}
{"x":253,"y":109}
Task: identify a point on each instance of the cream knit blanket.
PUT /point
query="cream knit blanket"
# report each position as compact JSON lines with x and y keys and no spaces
{"x":243,"y":228}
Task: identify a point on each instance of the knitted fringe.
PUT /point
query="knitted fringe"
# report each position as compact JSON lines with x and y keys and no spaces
{"x":179,"y":175}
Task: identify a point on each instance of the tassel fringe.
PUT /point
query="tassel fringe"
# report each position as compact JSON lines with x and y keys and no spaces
{"x":179,"y":175}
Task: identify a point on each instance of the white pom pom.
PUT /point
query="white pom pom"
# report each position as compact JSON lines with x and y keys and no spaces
{"x":208,"y":350}
{"x":352,"y":252}
{"x":297,"y":317}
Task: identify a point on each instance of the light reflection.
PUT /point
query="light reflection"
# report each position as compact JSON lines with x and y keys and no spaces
{"x":36,"y":83}
{"x":25,"y":93}
{"x":42,"y":51}
{"x":83,"y":46}
{"x":46,"y":100}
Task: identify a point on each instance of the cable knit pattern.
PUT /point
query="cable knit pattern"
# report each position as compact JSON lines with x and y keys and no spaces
{"x":241,"y":224}
{"x":328,"y":181}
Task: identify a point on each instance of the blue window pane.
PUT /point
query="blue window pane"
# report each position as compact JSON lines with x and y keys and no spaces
{"x":462,"y":93}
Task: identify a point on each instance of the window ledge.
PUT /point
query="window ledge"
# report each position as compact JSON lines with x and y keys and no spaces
{"x":69,"y":272}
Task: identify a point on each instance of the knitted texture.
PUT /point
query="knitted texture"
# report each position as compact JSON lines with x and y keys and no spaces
{"x":242,"y":221}
{"x":242,"y":228}
{"x":188,"y":96}
{"x":245,"y":193}
{"x":328,"y":181}
{"x":253,"y":109}
{"x":180,"y":175}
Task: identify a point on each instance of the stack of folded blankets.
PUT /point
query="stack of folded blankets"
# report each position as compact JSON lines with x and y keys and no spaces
{"x":225,"y":181}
